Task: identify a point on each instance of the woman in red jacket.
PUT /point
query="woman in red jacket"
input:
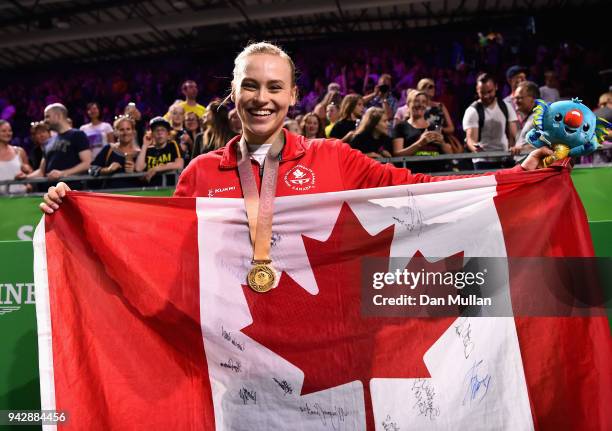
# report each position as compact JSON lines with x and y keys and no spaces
{"x":263,"y":89}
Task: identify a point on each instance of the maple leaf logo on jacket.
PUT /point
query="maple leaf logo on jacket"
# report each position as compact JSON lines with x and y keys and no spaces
{"x":353,"y":347}
{"x":300,"y":178}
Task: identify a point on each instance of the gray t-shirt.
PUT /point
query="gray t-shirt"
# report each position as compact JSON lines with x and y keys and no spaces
{"x":493,"y":134}
{"x":527,"y":126}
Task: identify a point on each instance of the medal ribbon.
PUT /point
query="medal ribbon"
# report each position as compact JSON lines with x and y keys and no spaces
{"x":259,"y":208}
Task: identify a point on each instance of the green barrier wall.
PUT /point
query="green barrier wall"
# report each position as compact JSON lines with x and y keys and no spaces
{"x":19,"y":384}
{"x":20,"y":215}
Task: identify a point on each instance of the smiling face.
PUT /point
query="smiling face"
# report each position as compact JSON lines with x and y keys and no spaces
{"x":486,"y":92}
{"x":177,"y":116}
{"x":93,"y":111}
{"x":311,"y":126}
{"x":191,"y":121}
{"x":523,"y":100}
{"x":332,"y":113}
{"x":6,"y":133}
{"x":263,"y":93}
{"x":569,"y":123}
{"x":53,"y":119}
{"x":417,"y":106}
{"x":430,"y":88}
{"x":125,"y":132}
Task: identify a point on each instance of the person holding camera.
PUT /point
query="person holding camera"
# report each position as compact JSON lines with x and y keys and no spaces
{"x":416,"y":136}
{"x":382,"y":97}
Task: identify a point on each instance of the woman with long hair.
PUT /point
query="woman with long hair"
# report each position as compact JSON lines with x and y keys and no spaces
{"x":13,"y":161}
{"x":435,"y":113}
{"x":351,"y":110}
{"x":312,"y":126}
{"x":217,"y":130}
{"x":193,"y":127}
{"x":372,"y":135}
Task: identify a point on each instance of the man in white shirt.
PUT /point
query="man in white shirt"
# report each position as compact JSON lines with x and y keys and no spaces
{"x":489,"y":125}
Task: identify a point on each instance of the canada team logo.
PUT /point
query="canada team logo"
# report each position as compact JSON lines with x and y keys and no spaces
{"x":300,"y":178}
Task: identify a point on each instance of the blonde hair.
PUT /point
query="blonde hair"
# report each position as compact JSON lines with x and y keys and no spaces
{"x":123,"y":118}
{"x":424,"y":82}
{"x":260,"y":48}
{"x":412,"y":95}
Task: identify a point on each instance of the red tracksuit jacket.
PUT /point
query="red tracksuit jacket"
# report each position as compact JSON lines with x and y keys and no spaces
{"x":306,"y":166}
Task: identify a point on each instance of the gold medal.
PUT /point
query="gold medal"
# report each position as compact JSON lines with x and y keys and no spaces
{"x":261,"y":278}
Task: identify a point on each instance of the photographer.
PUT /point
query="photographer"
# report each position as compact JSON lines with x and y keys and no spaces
{"x":382,"y":97}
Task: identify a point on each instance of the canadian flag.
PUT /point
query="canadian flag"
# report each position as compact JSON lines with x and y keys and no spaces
{"x":145,"y":321}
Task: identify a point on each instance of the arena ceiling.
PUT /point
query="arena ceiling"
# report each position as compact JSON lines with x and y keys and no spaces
{"x":42,"y":31}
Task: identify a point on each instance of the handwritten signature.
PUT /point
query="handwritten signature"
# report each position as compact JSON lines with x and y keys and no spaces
{"x":228,"y":336}
{"x":328,"y":417}
{"x":389,"y":425}
{"x":464,"y":331}
{"x":232,"y":365}
{"x":246,"y":396}
{"x":476,"y":388}
{"x":414,"y":216}
{"x":275,"y":239}
{"x":284,"y":385}
{"x":424,"y":394}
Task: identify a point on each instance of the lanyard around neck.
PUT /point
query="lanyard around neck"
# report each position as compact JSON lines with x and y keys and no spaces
{"x":259,"y":207}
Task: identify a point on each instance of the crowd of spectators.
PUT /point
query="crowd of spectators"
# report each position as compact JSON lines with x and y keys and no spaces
{"x":400,"y":99}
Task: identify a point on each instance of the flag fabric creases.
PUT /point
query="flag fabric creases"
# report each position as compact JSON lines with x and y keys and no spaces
{"x":145,"y":322}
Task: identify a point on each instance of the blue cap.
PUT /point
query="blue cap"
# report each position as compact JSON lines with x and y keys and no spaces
{"x":515,"y":70}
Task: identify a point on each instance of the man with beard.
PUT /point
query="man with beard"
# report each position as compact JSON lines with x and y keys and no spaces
{"x":68,"y":152}
{"x":490,"y":124}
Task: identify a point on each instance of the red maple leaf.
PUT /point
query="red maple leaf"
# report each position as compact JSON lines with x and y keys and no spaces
{"x":326,"y":335}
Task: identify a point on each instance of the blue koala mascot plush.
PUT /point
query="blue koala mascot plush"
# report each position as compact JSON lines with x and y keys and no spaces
{"x":568,"y":127}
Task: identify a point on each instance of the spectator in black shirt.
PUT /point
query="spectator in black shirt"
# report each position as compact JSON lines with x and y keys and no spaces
{"x":351,"y":110}
{"x":118,"y":157}
{"x":371,"y":137}
{"x":68,"y":152}
{"x":159,"y":154}
{"x":418,"y":137}
{"x":39,"y":135}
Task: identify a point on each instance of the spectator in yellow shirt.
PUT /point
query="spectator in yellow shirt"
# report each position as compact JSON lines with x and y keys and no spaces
{"x":190,"y":104}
